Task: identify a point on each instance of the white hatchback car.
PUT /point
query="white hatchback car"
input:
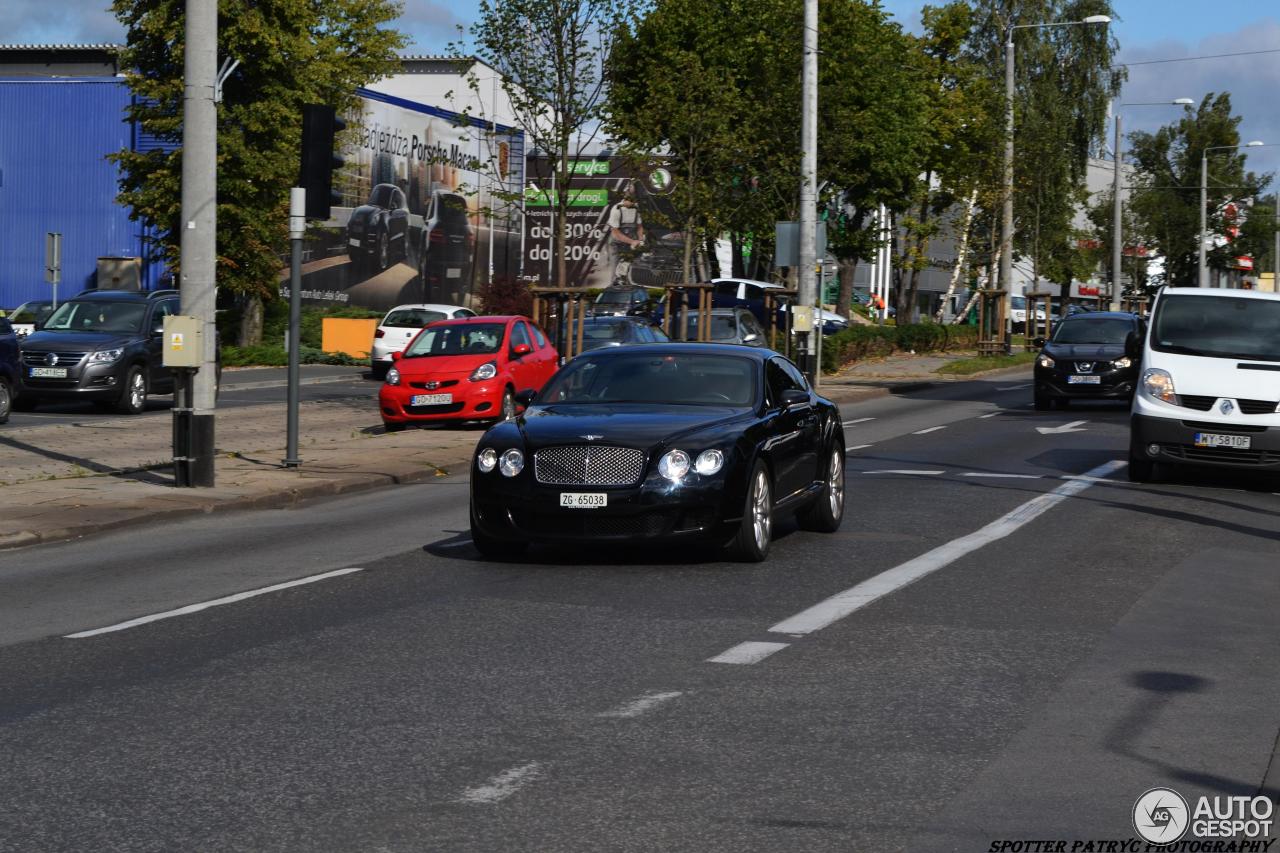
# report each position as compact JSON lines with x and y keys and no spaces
{"x":401,"y":325}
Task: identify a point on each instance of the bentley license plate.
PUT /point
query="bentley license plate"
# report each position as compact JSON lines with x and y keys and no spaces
{"x":431,"y":399}
{"x":49,"y":372}
{"x":1213,"y":439}
{"x":583,"y":500}
{"x":1084,"y":380}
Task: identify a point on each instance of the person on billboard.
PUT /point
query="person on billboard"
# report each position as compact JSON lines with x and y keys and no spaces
{"x":626,"y":233}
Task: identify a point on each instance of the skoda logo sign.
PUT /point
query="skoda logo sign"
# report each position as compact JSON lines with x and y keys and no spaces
{"x":1227,"y":407}
{"x":51,"y":359}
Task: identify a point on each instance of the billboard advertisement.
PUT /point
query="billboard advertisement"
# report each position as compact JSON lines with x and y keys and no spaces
{"x":426,"y":212}
{"x":618,"y":224}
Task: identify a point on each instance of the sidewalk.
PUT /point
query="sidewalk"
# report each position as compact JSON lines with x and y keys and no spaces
{"x":96,"y":473}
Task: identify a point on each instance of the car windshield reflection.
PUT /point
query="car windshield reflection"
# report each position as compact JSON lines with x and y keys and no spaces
{"x":1093,"y":330}
{"x":685,"y":379}
{"x":1217,"y":326}
{"x":467,"y":339}
{"x":122,"y":317}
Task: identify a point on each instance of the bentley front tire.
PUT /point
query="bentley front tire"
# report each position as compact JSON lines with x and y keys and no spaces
{"x":755,"y":534}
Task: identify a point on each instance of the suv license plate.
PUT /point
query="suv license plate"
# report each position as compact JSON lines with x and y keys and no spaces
{"x":49,"y":372}
{"x":1084,"y":380}
{"x":583,"y":500}
{"x":1213,"y":439}
{"x":430,"y":399}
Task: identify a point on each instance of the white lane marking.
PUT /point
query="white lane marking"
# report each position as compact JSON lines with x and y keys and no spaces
{"x":1074,"y":426}
{"x":205,"y":605}
{"x":905,"y":471}
{"x":647,"y":702}
{"x":1002,"y":476}
{"x":503,"y":785}
{"x":856,"y":447}
{"x":748,"y":653}
{"x":856,"y":597}
{"x":992,"y":415}
{"x":929,"y":430}
{"x":1016,"y":387}
{"x":848,"y":424}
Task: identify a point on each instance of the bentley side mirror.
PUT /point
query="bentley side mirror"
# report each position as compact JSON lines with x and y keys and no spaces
{"x":1038,"y":343}
{"x":794,"y":397}
{"x":526,"y":396}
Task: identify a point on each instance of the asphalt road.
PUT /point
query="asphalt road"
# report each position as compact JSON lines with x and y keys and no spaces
{"x":1005,"y":640}
{"x":240,"y":387}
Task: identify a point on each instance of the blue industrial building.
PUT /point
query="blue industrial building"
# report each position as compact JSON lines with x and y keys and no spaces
{"x":56,"y":131}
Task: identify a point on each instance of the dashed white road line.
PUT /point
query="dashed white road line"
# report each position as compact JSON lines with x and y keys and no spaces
{"x":928,"y":430}
{"x":1016,"y":387}
{"x":645,"y":703}
{"x":992,"y":415}
{"x":1002,"y":476}
{"x":848,"y":424}
{"x":747,"y":653}
{"x":503,"y":785}
{"x":205,"y":605}
{"x":906,"y":471}
{"x":856,"y":447}
{"x":856,"y":597}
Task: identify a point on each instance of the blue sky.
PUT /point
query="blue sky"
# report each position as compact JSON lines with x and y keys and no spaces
{"x":1147,"y":30}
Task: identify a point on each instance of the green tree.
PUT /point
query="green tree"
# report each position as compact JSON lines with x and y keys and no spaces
{"x":291,"y":52}
{"x":1166,"y":197}
{"x":550,"y":55}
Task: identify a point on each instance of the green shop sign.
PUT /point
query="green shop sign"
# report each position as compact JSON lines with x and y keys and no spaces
{"x":577,"y":198}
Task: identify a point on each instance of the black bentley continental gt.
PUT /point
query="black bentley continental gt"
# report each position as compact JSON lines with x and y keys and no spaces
{"x":680,"y":442}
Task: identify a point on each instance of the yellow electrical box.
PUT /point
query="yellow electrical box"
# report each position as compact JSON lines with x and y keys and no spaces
{"x":183,"y":341}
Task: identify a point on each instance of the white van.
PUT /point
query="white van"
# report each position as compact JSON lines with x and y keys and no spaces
{"x":1209,"y":392}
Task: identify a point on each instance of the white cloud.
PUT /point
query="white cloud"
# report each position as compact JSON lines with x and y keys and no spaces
{"x":65,"y":22}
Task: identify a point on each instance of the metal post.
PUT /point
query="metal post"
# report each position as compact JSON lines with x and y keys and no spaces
{"x":1006,"y":226}
{"x":199,"y":222}
{"x":1117,"y":240}
{"x":493,"y":144}
{"x":817,"y":319}
{"x":1203,"y":280}
{"x":297,"y":228}
{"x":1275,"y":252}
{"x":808,"y":170}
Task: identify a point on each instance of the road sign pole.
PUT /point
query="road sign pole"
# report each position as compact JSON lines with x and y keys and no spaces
{"x":297,"y":228}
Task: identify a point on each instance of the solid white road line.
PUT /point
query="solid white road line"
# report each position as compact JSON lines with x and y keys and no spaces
{"x":848,"y":424}
{"x":856,"y":447}
{"x":1003,"y":476}
{"x":992,"y":415}
{"x":647,"y":702}
{"x":905,"y":471}
{"x":503,"y":785}
{"x":856,"y":597}
{"x":929,"y":430}
{"x":1016,"y":387}
{"x":205,"y":605}
{"x":748,"y":653}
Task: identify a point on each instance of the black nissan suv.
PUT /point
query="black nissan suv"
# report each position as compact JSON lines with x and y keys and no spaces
{"x":103,"y":346}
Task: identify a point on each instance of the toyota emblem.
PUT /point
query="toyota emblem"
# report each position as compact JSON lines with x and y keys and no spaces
{"x":1227,"y":407}
{"x":51,"y":359}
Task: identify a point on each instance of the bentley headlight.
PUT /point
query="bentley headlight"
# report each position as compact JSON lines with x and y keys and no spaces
{"x":1045,"y":362}
{"x":511,"y":463}
{"x":393,"y":377}
{"x":1122,"y":363}
{"x":1158,"y":383}
{"x":487,"y":460}
{"x":488,"y":370}
{"x":674,"y":465}
{"x":709,"y":462}
{"x":106,"y":356}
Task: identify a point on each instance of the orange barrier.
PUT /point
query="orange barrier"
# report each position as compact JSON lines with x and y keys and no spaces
{"x":350,"y":336}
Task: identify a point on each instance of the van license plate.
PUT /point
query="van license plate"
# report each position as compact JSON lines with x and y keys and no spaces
{"x":1213,"y":439}
{"x":583,"y":500}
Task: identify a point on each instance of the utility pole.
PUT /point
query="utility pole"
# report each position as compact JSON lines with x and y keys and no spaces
{"x":199,"y":220}
{"x":1117,"y":241}
{"x":809,"y":179}
{"x":1006,"y":216}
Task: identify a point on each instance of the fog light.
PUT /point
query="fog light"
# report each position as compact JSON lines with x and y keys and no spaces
{"x":1153,"y":450}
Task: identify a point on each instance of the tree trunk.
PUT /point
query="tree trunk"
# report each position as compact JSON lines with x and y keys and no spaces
{"x":957,"y":269}
{"x":250,"y":332}
{"x":845,"y":270}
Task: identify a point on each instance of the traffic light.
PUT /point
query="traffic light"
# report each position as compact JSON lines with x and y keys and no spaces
{"x":319,"y":126}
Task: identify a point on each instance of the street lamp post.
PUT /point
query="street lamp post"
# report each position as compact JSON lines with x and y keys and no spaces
{"x":1203,"y":280}
{"x":1006,"y":224}
{"x":1117,"y":237}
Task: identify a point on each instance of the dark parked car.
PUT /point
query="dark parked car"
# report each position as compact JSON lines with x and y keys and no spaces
{"x":689,"y":442}
{"x":448,"y":244}
{"x":29,"y":316}
{"x":1085,"y":359}
{"x":379,"y":229}
{"x":731,"y":292}
{"x":103,"y":346}
{"x":623,"y":300}
{"x":728,"y":326}
{"x":10,"y":369}
{"x":600,"y":332}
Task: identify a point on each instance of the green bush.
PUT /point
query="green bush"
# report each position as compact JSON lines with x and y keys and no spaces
{"x":859,"y":342}
{"x":275,"y":321}
{"x":274,"y":355}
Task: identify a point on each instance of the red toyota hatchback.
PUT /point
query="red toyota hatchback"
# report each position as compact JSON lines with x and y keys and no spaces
{"x":465,"y":370}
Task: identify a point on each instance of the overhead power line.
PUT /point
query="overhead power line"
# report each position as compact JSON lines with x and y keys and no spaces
{"x":1194,"y":58}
